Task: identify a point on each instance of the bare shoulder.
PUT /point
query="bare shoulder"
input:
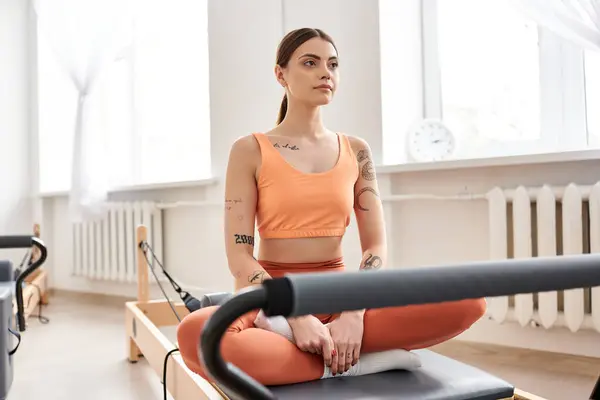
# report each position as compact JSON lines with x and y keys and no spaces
{"x":246,"y":144}
{"x":245,"y":150}
{"x":360,"y":147}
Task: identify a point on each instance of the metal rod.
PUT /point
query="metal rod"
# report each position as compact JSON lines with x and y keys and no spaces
{"x":324,"y":293}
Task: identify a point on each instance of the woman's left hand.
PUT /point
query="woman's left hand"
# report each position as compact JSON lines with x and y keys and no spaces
{"x":346,"y":332}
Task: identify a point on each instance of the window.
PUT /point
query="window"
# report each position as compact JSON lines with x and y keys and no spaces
{"x":501,"y":83}
{"x":57,"y":101}
{"x":489,"y":74}
{"x":401,"y":73}
{"x":151,"y":104}
{"x":592,"y":95}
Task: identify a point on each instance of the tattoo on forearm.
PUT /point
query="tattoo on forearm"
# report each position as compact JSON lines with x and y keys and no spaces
{"x":229,"y":203}
{"x":360,"y":192}
{"x":244,"y":239}
{"x":257,"y":277}
{"x":372,"y":262}
{"x":286,"y":146}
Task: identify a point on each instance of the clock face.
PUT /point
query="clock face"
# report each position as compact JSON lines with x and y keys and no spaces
{"x":431,"y":141}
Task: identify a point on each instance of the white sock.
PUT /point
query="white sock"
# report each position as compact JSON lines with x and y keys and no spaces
{"x":372,"y":363}
{"x":369,"y":363}
{"x":276,"y":324}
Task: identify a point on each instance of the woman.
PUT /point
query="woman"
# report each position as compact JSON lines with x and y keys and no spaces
{"x":301,"y":182}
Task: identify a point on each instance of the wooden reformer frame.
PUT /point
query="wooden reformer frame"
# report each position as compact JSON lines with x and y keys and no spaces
{"x":35,"y":293}
{"x":144,"y":339}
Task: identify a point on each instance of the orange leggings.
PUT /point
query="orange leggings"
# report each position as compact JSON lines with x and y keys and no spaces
{"x":271,"y":359}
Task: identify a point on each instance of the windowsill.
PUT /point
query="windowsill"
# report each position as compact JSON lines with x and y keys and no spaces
{"x":147,"y":187}
{"x":542,"y":158}
{"x":527,"y":159}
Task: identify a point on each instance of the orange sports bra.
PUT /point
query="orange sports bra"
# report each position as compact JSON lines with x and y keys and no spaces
{"x":294,"y":204}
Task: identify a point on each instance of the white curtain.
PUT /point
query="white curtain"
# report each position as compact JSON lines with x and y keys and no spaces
{"x":85,"y":36}
{"x":574,"y":20}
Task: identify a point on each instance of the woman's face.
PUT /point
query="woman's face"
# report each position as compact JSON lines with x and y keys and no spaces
{"x":311,"y":75}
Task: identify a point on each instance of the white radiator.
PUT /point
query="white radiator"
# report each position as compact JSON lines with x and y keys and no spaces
{"x":546,"y":221}
{"x":107,"y":249}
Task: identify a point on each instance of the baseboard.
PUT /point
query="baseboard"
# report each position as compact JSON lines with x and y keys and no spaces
{"x":107,"y":299}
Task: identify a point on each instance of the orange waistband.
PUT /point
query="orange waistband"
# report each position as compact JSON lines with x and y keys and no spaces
{"x":278,"y":269}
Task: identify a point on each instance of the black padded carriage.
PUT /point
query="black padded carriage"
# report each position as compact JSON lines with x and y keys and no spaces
{"x":439,"y":378}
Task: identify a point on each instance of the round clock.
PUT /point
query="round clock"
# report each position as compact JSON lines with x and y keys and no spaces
{"x":430,"y":140}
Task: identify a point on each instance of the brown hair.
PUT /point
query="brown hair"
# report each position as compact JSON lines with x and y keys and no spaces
{"x":286,"y":48}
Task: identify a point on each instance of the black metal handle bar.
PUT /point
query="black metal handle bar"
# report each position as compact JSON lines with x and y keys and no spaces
{"x":17,"y":242}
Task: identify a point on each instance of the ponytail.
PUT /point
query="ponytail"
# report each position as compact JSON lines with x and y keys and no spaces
{"x":282,"y":109}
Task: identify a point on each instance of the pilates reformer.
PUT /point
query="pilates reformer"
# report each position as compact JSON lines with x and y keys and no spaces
{"x":440,"y":377}
{"x":11,"y":291}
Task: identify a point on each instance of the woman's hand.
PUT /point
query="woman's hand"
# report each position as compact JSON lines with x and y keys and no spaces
{"x":346,"y":332}
{"x":311,"y":335}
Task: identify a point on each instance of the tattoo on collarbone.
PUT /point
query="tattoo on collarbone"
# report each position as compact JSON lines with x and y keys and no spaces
{"x":230,"y":203}
{"x":244,"y":239}
{"x":372,"y":262}
{"x":288,"y":146}
{"x":362,"y":191}
{"x":257,"y":276}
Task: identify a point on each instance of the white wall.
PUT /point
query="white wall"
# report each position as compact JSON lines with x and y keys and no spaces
{"x":15,"y":177}
{"x":245,"y":98}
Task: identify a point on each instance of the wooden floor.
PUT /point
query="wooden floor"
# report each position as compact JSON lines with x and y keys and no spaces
{"x":80,"y":354}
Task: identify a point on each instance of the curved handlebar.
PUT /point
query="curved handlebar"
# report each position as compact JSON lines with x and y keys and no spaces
{"x":323,"y":293}
{"x":17,"y":242}
{"x":232,"y":377}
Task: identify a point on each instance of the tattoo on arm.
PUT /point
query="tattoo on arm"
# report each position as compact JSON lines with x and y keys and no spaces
{"x":244,"y":239}
{"x":372,"y":262}
{"x":362,"y":155}
{"x":257,"y":276}
{"x":230,"y":203}
{"x":362,"y":191}
{"x":367,"y":171}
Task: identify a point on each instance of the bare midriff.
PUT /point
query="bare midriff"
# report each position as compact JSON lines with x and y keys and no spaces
{"x":300,"y":250}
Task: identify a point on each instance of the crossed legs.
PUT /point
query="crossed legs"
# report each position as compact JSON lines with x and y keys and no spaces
{"x":272,"y":359}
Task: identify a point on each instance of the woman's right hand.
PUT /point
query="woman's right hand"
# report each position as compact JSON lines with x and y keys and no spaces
{"x":311,"y":335}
